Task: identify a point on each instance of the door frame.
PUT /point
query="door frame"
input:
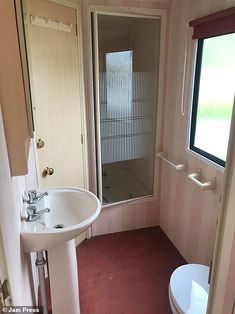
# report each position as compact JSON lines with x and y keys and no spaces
{"x":223,"y":249}
{"x":96,"y":151}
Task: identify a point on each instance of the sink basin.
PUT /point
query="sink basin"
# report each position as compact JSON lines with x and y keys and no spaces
{"x":72,"y":210}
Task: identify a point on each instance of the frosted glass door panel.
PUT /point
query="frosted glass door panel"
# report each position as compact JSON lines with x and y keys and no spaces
{"x":128,"y":49}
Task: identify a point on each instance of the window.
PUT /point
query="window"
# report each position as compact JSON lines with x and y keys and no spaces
{"x":213,"y":97}
{"x":119,"y":82}
{"x":214,"y":90}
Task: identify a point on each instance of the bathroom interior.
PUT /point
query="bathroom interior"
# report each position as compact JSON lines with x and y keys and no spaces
{"x":119,"y":115}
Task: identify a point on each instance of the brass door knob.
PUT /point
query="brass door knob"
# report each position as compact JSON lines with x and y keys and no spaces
{"x":47,"y":171}
{"x":40,"y":143}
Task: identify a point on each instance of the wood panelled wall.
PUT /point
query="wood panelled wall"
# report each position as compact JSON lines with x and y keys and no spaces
{"x":146,"y":4}
{"x":222,"y":292}
{"x":127,"y":216}
{"x":11,"y":191}
{"x":188,"y":215}
{"x":228,"y":302}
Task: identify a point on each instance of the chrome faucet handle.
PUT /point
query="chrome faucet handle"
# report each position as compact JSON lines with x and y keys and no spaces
{"x":33,"y":198}
{"x":40,"y":196}
{"x":33,"y":214}
{"x":32,"y":194}
{"x":29,"y":196}
{"x":31,"y":210}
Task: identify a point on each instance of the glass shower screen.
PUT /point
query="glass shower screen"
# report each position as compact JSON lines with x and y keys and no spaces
{"x":127,"y":49}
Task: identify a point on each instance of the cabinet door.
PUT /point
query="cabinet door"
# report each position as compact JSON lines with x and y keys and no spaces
{"x":14,"y":92}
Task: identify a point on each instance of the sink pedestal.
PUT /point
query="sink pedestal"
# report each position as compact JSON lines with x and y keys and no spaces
{"x":64,"y":278}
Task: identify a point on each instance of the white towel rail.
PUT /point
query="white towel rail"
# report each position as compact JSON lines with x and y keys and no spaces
{"x":178,"y":167}
{"x":196,"y":177}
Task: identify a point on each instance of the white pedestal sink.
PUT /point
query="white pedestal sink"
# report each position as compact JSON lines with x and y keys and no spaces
{"x":73,"y":210}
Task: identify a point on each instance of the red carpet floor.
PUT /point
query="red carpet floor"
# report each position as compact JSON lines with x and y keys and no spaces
{"x":127,"y":272}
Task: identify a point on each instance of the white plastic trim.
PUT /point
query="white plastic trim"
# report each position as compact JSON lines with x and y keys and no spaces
{"x":196,"y":177}
{"x":178,"y":167}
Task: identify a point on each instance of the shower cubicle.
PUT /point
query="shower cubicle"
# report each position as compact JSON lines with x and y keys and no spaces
{"x":126,"y":51}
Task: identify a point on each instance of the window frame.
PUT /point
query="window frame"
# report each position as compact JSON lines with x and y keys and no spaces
{"x":194,"y":111}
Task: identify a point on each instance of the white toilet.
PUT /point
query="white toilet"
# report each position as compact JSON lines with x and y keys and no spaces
{"x":188,"y":289}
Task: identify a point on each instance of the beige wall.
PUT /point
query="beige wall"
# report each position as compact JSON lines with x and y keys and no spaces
{"x":229,"y":297}
{"x":11,"y":190}
{"x":222,"y":292}
{"x":13,"y":92}
{"x":188,"y":215}
{"x":127,"y":216}
{"x":146,"y":4}
{"x":3,"y":266}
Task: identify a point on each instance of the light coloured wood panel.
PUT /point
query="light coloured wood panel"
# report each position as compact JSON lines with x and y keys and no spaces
{"x":222,"y":291}
{"x":229,"y":296}
{"x":164,"y":4}
{"x":47,"y":9}
{"x":12,"y":92}
{"x":11,"y":190}
{"x":53,"y":59}
{"x":127,"y":216}
{"x":3,"y":265}
{"x":188,"y":215}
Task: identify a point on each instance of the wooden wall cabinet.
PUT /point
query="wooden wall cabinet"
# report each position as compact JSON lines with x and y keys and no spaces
{"x":14,"y":86}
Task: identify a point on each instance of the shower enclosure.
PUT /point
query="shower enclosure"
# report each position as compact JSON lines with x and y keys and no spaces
{"x":126,"y":63}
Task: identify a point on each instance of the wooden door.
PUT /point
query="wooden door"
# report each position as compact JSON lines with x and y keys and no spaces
{"x":51,"y":37}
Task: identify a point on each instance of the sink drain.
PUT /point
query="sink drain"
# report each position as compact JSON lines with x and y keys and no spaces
{"x":59,"y":226}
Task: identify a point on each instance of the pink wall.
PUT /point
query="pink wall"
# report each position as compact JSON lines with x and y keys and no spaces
{"x":188,"y":215}
{"x":127,"y":216}
{"x":230,"y":286}
{"x":11,"y":189}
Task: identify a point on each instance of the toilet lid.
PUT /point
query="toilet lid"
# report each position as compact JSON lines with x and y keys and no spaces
{"x":189,"y":288}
